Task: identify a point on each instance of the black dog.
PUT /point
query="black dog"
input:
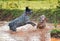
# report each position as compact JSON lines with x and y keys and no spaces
{"x":22,"y":20}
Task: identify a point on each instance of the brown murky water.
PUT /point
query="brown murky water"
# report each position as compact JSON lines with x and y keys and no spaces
{"x":55,"y":39}
{"x":23,"y":33}
{"x":27,"y":33}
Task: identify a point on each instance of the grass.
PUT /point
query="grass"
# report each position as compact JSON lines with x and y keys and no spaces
{"x":32,"y":4}
{"x":7,"y":14}
{"x":13,"y":7}
{"x":55,"y":33}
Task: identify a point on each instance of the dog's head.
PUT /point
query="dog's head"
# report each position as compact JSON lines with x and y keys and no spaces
{"x":28,"y":11}
{"x":42,"y":18}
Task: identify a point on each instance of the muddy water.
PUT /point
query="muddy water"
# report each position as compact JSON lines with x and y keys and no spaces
{"x":24,"y":33}
{"x":55,"y":39}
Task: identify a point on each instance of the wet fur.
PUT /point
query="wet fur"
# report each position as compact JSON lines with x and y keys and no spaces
{"x":41,"y":25}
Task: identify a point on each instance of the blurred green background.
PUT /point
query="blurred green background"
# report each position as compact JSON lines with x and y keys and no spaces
{"x":11,"y":9}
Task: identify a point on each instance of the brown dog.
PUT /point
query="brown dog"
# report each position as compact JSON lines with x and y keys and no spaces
{"x":42,"y":22}
{"x":44,"y":29}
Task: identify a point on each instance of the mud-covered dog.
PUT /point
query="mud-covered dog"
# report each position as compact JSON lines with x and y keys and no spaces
{"x":44,"y":29}
{"x":42,"y":22}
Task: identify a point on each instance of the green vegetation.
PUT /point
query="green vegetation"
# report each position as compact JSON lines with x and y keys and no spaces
{"x":24,"y":0}
{"x":53,"y":15}
{"x":50,"y":8}
{"x":9,"y":14}
{"x":55,"y":33}
{"x":32,"y":4}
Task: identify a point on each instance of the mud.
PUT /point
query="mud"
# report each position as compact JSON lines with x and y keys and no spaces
{"x":24,"y":33}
